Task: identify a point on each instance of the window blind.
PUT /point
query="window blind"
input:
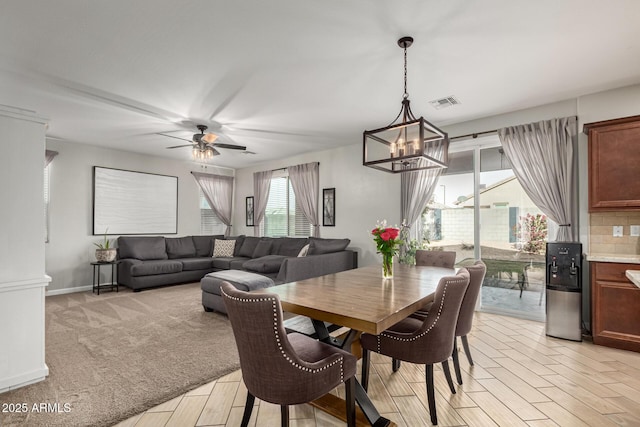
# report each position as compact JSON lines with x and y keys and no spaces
{"x":283,"y":217}
{"x":209,"y":221}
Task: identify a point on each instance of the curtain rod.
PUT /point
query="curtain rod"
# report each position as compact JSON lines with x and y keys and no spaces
{"x":473,"y":135}
{"x":285,"y":168}
{"x":476,"y":134}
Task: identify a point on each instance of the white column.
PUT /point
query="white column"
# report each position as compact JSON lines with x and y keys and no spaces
{"x":22,"y":269}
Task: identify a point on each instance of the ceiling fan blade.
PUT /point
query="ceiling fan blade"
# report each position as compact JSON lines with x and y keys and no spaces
{"x":229,"y":146}
{"x":172,"y":136}
{"x":178,"y":146}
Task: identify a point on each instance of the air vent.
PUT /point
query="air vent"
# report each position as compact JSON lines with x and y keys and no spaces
{"x":444,"y":102}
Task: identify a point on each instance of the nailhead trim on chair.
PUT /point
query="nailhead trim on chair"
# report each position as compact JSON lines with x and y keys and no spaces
{"x":444,"y":293}
{"x":277,"y":334}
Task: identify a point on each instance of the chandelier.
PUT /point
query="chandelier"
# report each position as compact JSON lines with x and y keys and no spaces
{"x":407,"y":144}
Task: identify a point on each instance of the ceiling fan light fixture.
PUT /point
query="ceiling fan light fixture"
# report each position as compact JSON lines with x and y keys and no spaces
{"x":202,"y":154}
{"x":209,"y":138}
{"x":408,"y":143}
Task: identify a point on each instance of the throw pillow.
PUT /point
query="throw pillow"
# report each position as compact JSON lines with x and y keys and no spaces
{"x":263,"y":248}
{"x":223,"y":248}
{"x":304,"y":251}
{"x":319,"y":246}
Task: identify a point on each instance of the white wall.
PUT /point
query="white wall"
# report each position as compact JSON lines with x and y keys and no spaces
{"x":22,"y":265}
{"x":363,"y":196}
{"x":70,"y":248}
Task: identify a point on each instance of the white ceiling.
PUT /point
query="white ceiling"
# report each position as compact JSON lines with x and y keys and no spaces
{"x":290,"y":76}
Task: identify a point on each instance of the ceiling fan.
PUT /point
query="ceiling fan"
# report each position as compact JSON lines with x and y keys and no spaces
{"x":204,"y":145}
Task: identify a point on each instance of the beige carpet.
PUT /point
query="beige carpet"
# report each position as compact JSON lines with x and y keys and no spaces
{"x":117,"y":354}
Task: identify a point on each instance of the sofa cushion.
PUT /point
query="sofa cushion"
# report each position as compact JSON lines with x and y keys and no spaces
{"x":319,"y":246}
{"x":265,"y":264}
{"x":224,"y":248}
{"x":149,"y":268}
{"x":262,"y":249}
{"x":248,"y":246}
{"x":180,"y":247}
{"x":288,"y":246}
{"x":236,"y":264}
{"x":142,"y":247}
{"x":224,"y":263}
{"x":198,"y":263}
{"x":204,"y":244}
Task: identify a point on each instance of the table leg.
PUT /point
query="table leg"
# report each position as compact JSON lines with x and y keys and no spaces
{"x":96,"y":278}
{"x":369,"y":410}
{"x":114,"y":277}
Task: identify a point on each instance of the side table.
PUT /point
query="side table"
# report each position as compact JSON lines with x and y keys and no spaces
{"x":96,"y":276}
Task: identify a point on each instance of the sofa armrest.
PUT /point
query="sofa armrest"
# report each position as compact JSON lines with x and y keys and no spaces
{"x":300,"y":268}
{"x":124,"y":269}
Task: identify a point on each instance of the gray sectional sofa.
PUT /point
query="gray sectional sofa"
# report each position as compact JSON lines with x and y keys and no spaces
{"x":146,"y":262}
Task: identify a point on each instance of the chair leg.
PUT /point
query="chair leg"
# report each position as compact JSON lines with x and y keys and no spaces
{"x":364,"y":379}
{"x":456,"y":361}
{"x":431,"y":394}
{"x":447,"y":375}
{"x":284,"y":415}
{"x":350,"y":395}
{"x":248,"y":408}
{"x":465,"y":344}
{"x":395,"y":365}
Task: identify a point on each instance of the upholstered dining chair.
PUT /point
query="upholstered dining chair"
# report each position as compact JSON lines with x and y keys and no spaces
{"x":425,"y":341}
{"x":279,"y":368}
{"x":446,"y":259}
{"x":477,"y":272}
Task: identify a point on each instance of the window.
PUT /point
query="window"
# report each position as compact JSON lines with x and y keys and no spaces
{"x":283,"y":216}
{"x":480,"y":210}
{"x":209,"y":221}
{"x":47,"y":195}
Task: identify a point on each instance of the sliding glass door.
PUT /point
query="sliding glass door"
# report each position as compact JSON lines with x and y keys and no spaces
{"x":480,"y":211}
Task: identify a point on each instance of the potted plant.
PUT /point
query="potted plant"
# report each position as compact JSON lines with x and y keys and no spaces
{"x":105,"y":253}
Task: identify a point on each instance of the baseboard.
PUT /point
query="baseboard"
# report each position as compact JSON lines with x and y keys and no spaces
{"x":24,"y":379}
{"x":52,"y":292}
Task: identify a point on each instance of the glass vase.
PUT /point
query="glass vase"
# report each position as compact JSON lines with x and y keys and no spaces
{"x":387,"y":266}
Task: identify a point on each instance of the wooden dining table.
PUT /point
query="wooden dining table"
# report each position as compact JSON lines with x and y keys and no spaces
{"x":362,"y":301}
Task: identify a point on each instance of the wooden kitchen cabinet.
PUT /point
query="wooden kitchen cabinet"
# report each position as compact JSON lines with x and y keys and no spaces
{"x":615,"y":304}
{"x":614,"y":164}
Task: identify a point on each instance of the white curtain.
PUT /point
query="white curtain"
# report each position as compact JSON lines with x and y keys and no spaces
{"x":305,"y":182}
{"x":218,"y":190}
{"x":542,"y":155}
{"x":48,"y":157}
{"x":416,"y":189}
{"x":261,"y":184}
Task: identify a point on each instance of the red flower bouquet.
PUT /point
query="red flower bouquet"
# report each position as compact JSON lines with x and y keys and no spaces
{"x":387,"y":244}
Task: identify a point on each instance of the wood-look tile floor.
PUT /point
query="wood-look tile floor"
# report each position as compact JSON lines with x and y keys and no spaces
{"x":520,"y":377}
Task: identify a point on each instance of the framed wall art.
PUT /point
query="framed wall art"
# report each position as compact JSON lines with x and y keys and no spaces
{"x":329,"y":207}
{"x":249,"y":208}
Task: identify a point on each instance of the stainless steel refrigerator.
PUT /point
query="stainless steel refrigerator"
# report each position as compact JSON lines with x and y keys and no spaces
{"x":564,"y":290}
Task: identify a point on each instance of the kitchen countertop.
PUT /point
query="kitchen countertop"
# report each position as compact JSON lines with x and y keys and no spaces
{"x":625,"y":259}
{"x":634,"y":276}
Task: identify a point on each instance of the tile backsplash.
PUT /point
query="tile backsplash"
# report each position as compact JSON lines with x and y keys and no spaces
{"x":601,"y":240}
